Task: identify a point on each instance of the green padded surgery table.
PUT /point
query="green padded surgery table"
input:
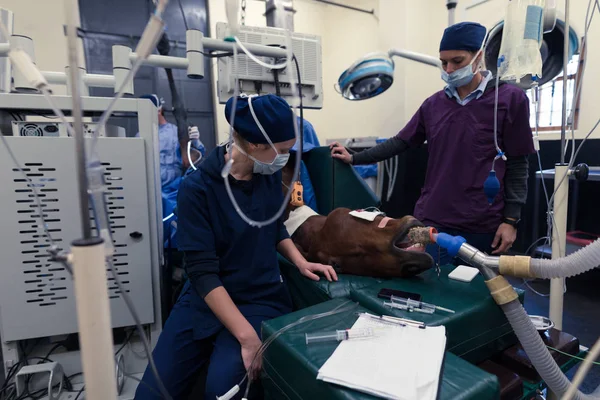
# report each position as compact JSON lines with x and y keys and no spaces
{"x":477,"y":329}
{"x":290,"y":366}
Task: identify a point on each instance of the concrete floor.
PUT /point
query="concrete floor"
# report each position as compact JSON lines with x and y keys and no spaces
{"x":581,"y":313}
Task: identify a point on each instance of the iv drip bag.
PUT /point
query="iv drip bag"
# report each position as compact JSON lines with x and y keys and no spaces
{"x":521,"y":40}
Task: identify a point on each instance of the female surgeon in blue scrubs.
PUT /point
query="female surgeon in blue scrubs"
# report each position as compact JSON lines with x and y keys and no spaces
{"x":234,"y":279}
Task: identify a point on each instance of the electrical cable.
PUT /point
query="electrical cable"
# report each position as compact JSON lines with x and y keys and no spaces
{"x":183,"y":16}
{"x":498,"y":150}
{"x":276,"y":82}
{"x":583,"y":370}
{"x":307,"y":318}
{"x":257,"y":60}
{"x":140,"y":331}
{"x":527,"y":253}
{"x":12,"y":372}
{"x":79,"y":393}
{"x":135,"y":378}
{"x":247,"y":391}
{"x":67,"y":379}
{"x":127,"y":339}
{"x":42,"y":115}
{"x":53,"y":349}
{"x":570,"y":355}
{"x":546,"y":238}
{"x":392,"y":171}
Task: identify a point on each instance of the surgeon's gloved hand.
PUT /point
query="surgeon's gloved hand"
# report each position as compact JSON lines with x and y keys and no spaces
{"x":250,"y":347}
{"x":340,"y":152}
{"x":310,"y":270}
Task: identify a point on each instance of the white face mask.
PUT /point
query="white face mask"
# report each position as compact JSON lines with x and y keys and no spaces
{"x":462,"y":76}
{"x":264,"y":168}
{"x":261,"y":167}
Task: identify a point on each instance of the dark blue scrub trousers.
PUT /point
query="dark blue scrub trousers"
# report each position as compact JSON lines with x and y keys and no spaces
{"x":178,"y":358}
{"x":482,"y":241}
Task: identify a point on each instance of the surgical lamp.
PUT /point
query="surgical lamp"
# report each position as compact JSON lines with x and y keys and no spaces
{"x":373,"y":74}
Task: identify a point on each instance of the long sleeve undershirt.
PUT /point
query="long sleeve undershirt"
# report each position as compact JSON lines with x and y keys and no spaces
{"x":515,"y":185}
{"x":388,"y":149}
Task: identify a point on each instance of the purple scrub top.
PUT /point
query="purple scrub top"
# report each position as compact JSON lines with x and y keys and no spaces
{"x":460,"y":142}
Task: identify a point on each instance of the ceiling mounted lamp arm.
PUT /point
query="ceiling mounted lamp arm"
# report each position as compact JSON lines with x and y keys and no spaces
{"x":418,"y":57}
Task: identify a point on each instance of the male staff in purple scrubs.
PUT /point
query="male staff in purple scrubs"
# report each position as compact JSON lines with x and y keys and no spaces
{"x":458,"y":125}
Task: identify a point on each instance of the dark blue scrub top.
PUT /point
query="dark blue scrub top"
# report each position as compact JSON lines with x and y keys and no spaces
{"x":241,"y":258}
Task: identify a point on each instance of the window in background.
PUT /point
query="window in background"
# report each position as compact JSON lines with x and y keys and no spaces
{"x":550,"y":99}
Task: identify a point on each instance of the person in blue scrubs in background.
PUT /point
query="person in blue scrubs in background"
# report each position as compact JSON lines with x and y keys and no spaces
{"x":171,"y":162}
{"x":171,"y":166}
{"x":234,"y":278}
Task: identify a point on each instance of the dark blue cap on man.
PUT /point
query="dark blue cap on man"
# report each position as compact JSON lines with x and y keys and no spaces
{"x":467,"y":36}
{"x":274,"y":114}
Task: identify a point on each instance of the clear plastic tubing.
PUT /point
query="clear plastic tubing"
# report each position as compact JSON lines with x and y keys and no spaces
{"x":339,"y":335}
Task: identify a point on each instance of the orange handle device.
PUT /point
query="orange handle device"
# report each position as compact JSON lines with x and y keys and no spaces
{"x":297,"y":200}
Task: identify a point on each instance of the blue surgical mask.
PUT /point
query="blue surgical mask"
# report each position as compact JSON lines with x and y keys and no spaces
{"x":264,"y":168}
{"x":261,"y":167}
{"x":462,"y":76}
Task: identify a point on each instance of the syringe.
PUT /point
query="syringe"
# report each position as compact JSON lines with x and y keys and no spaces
{"x":414,"y":305}
{"x":339,"y":335}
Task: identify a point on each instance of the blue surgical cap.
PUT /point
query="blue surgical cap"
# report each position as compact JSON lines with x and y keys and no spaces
{"x":154,"y":99}
{"x":463,"y":36}
{"x":310,"y":138}
{"x":273,"y":113}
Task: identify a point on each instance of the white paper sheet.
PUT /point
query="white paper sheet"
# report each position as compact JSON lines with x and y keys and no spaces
{"x":401,"y":363}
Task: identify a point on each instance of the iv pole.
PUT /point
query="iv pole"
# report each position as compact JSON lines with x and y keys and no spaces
{"x":561,"y":196}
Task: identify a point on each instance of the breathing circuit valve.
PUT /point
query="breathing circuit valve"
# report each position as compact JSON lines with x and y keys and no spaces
{"x":451,"y":243}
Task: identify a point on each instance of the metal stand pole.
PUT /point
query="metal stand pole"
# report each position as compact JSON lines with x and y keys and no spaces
{"x":561,"y":199}
{"x":561,"y":196}
{"x":93,"y":319}
{"x":563,"y":129}
{"x":559,"y":242}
